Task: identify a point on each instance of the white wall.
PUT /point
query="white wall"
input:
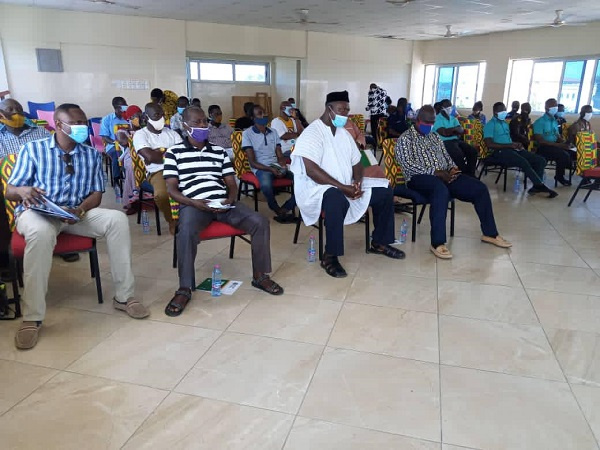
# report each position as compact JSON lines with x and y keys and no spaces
{"x":99,"y":49}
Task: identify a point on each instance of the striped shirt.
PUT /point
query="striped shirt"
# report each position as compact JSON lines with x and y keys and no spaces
{"x":11,"y":144}
{"x":40,"y":165}
{"x":421,"y":155}
{"x":200,"y":173}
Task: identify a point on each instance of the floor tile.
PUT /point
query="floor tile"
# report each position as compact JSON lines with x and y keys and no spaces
{"x":315,"y":434}
{"x":187,"y":422}
{"x":462,"y":248}
{"x":399,"y":291}
{"x":66,"y":335}
{"x":377,"y":392}
{"x":578,"y":353}
{"x":418,"y":263}
{"x":389,"y":331}
{"x":496,"y":411}
{"x":293,"y":278}
{"x":255,"y":371}
{"x":559,"y":279}
{"x":289,"y":317}
{"x":74,"y":411}
{"x":485,"y":301}
{"x":497,"y":346}
{"x":20,"y":380}
{"x":149,"y":353}
{"x":589,"y":400}
{"x":567,"y":311}
{"x":479,"y":271}
{"x":546,"y":254}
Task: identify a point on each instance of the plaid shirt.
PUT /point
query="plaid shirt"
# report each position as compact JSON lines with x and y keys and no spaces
{"x":11,"y":144}
{"x":40,"y":165}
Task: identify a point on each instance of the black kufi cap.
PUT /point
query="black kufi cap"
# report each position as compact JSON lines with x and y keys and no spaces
{"x":338,"y":97}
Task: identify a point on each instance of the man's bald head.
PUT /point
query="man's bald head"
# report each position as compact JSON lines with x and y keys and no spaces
{"x":193,"y":113}
{"x":10,"y":104}
{"x":426,"y":114}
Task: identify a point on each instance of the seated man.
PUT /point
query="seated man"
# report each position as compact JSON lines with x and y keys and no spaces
{"x":69,"y":174}
{"x":328,"y":178}
{"x":397,"y":123}
{"x":197,"y":175}
{"x":449,"y":130}
{"x":560,"y":115}
{"x":430,"y":171}
{"x":581,"y":124}
{"x":497,"y":137}
{"x":477,"y":113}
{"x":519,"y":126}
{"x":157,"y":96}
{"x":175,"y":122}
{"x":196,"y":102}
{"x":108,"y":128}
{"x":151,"y":143}
{"x":551,"y":144}
{"x":514,"y":108}
{"x":299,"y":114}
{"x":246,"y":121}
{"x":287,"y":126}
{"x":219,"y":133}
{"x":263,"y":148}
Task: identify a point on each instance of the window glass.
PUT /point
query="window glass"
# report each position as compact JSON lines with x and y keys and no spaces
{"x":194,"y":75}
{"x":571,"y":85}
{"x":596,"y":90}
{"x":445,"y":83}
{"x":545,"y":83}
{"x":466,"y":86}
{"x":251,"y":72}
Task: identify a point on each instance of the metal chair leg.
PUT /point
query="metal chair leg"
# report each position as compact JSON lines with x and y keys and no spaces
{"x":96,"y":269}
{"x":231,"y":247}
{"x":157,"y":215}
{"x":581,"y":183}
{"x":297,"y":232}
{"x":452,"y":214}
{"x":367,"y":231}
{"x":505,"y":176}
{"x":421,"y":214}
{"x":414,"y":222}
{"x":320,"y":238}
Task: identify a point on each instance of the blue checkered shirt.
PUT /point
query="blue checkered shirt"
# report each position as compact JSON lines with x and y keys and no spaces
{"x":11,"y":144}
{"x":40,"y":165}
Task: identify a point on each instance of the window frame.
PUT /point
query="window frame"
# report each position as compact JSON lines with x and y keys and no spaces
{"x":455,"y":76}
{"x":233,"y":63}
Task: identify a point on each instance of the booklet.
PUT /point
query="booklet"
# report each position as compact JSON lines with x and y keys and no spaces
{"x":50,"y":208}
{"x":228,"y":287}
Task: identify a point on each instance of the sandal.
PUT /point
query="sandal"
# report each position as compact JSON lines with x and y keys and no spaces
{"x":27,"y":335}
{"x":441,"y":251}
{"x":332,"y":266}
{"x":388,"y":251}
{"x":174,"y":309}
{"x":273,"y":288}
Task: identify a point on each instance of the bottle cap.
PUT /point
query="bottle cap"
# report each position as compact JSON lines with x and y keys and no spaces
{"x":217,"y":266}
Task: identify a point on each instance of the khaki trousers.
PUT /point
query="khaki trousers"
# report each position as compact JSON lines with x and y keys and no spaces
{"x":40,"y":234}
{"x":161,"y":197}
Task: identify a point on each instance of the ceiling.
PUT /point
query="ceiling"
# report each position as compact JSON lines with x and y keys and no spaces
{"x":418,"y":20}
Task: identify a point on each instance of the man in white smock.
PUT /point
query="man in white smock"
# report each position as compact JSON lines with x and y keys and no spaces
{"x":328,"y":178}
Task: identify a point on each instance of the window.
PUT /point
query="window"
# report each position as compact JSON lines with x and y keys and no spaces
{"x":573,"y":82}
{"x":229,"y":71}
{"x":461,"y":83}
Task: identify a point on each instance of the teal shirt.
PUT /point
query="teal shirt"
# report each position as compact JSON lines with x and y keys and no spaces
{"x":498,"y":131}
{"x":442,"y":122}
{"x":547,"y":126}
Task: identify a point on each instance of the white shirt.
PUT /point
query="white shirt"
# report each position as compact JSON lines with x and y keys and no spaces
{"x":279,"y":126}
{"x":336,"y":155}
{"x":143,"y":138}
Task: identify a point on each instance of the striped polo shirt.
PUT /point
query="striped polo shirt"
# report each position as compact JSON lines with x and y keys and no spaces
{"x":40,"y":165}
{"x":200,"y":173}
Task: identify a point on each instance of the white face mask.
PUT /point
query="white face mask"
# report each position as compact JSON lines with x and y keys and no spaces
{"x":448,"y":110}
{"x":158,"y":125}
{"x":587,"y":117}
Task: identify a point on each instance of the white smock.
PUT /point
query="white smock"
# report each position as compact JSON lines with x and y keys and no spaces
{"x":336,"y":155}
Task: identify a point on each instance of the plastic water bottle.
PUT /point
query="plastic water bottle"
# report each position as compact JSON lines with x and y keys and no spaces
{"x":216,"y":281}
{"x":118,"y":197}
{"x":544,"y":177}
{"x":403,"y":231}
{"x":145,"y":222}
{"x":311,"y":249}
{"x":517,"y":185}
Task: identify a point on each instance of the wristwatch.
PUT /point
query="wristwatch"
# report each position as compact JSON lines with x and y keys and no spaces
{"x":81,"y":212}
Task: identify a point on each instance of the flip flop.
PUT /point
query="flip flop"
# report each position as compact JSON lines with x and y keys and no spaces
{"x":273,"y":289}
{"x":441,"y":251}
{"x":174,"y":309}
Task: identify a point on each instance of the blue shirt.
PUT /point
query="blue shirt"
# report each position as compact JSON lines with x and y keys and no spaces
{"x":40,"y":165}
{"x":547,"y":126}
{"x":263,"y":145}
{"x":107,"y":128}
{"x":11,"y":144}
{"x":443,"y":122}
{"x":498,"y":131}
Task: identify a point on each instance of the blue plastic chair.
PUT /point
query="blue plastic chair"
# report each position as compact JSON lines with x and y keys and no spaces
{"x":35,"y":107}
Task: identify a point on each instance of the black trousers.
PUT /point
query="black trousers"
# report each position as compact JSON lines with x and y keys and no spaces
{"x":335,"y":205}
{"x":559,"y":155}
{"x":375,"y":126}
{"x":463,"y":155}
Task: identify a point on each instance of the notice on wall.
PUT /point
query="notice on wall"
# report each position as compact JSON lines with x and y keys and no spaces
{"x":135,"y":85}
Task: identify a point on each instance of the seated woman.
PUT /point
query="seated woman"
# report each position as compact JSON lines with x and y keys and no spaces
{"x":477,"y":113}
{"x":581,"y":124}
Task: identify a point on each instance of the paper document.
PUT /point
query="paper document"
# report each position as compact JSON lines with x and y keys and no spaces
{"x":228,"y":287}
{"x":50,"y":208}
{"x":369,"y":183}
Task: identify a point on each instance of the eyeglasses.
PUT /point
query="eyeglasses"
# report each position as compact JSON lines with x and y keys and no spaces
{"x":68,"y":159}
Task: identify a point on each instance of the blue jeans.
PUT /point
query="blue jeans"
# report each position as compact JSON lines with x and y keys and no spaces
{"x":114,"y":160}
{"x":265,"y":179}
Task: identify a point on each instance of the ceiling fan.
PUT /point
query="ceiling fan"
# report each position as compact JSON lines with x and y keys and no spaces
{"x":303,"y":19}
{"x":558,"y":22}
{"x":112,"y":3}
{"x":448,"y":35}
{"x":400,"y":3}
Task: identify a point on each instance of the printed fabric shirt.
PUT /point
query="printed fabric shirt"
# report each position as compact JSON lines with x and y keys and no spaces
{"x":176,"y":122}
{"x":420,"y":154}
{"x":376,"y":102}
{"x":220,"y":135}
{"x":40,"y":165}
{"x":200,"y":173}
{"x":11,"y":144}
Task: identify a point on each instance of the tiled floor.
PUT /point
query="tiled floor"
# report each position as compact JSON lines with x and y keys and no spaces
{"x":494,"y":349}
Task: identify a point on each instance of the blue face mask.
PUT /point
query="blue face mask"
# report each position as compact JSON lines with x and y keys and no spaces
{"x":560,"y":114}
{"x":288,"y":110}
{"x":180,"y":110}
{"x":294,"y":105}
{"x":502,"y":115}
{"x":425,"y":128}
{"x":339,"y":121}
{"x":552,"y":111}
{"x":79,"y":133}
{"x":124,"y":108}
{"x":262,"y":121}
